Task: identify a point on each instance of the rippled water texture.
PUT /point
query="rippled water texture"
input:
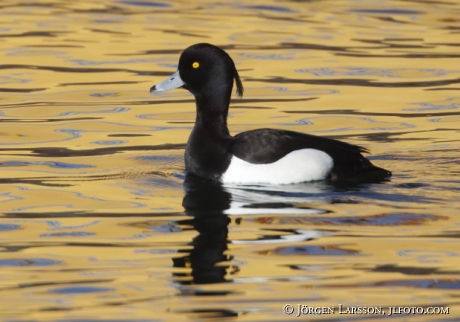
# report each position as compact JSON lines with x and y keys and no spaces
{"x":98,"y":222}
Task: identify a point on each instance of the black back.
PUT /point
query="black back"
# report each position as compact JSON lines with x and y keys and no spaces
{"x":268,"y":145}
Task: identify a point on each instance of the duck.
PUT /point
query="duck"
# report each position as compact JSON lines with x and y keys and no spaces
{"x":260,"y":156}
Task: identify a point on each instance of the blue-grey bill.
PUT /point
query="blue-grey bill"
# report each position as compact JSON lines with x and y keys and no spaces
{"x":171,"y":83}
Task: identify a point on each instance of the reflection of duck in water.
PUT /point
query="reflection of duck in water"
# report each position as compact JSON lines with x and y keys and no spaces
{"x":258,"y":156}
{"x":205,"y":201}
{"x":209,"y":202}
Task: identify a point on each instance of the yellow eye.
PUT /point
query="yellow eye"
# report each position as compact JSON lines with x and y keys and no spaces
{"x":196,"y":64}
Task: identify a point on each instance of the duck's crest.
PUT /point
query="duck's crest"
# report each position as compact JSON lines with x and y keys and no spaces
{"x":239,"y":85}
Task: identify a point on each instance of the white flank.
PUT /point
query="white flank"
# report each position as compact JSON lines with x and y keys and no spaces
{"x":297,"y":166}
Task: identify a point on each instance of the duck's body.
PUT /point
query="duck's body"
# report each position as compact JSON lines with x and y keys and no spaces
{"x":258,"y":156}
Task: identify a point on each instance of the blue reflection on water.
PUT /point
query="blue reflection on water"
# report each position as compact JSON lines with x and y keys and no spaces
{"x":391,"y":219}
{"x":56,"y":165}
{"x":28,"y":262}
{"x":109,"y":142}
{"x":423,"y":256}
{"x":112,"y":110}
{"x":268,"y":56}
{"x":104,"y":94}
{"x":314,"y":250}
{"x":85,"y":62}
{"x":161,"y":158}
{"x":10,"y":196}
{"x":57,"y":225}
{"x":74,"y":134}
{"x":34,"y":52}
{"x":76,"y":205}
{"x":146,"y":3}
{"x":450,"y":103}
{"x":168,"y":65}
{"x":429,"y":283}
{"x":269,"y":8}
{"x":69,"y":234}
{"x":382,"y":127}
{"x":8,"y":227}
{"x":155,"y":251}
{"x":81,"y":290}
{"x":381,"y":72}
{"x":387,"y":11}
{"x":14,"y":80}
{"x":283,"y":91}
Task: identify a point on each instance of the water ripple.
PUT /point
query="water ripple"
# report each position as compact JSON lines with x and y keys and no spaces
{"x":69,"y":234}
{"x":268,"y":8}
{"x":20,"y":262}
{"x":330,"y":250}
{"x":391,"y":219}
{"x":109,"y":142}
{"x":450,"y":103}
{"x":9,"y":227}
{"x":146,"y":3}
{"x":388,"y":11}
{"x":381,"y":72}
{"x":58,"y":225}
{"x":81,"y":290}
{"x":51,"y":164}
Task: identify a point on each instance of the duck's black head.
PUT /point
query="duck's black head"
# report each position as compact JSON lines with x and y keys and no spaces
{"x":206,"y":71}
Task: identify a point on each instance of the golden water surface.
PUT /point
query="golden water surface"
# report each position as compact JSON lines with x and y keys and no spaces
{"x":98,"y":223}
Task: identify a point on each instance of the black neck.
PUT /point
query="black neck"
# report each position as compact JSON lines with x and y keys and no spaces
{"x":211,"y":114}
